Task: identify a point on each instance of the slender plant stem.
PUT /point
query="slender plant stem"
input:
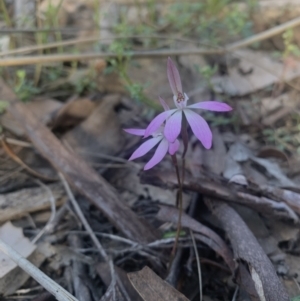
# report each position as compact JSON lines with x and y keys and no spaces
{"x":198,"y":264}
{"x":179,"y":205}
{"x":8,"y":21}
{"x":184,"y":134}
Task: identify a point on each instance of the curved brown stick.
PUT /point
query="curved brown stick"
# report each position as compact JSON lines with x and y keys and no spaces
{"x":246,"y":248}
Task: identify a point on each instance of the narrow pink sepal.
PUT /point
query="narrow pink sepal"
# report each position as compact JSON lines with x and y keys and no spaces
{"x":199,"y":127}
{"x":173,"y":147}
{"x":158,"y":155}
{"x":163,"y":103}
{"x":211,"y":106}
{"x":137,"y":132}
{"x":157,"y":122}
{"x":145,"y":148}
{"x":174,"y":78}
{"x":173,"y":126}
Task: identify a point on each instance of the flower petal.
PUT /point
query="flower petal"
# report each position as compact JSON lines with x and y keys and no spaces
{"x":164,"y":104}
{"x":145,"y":148}
{"x":157,"y":122}
{"x":199,"y":127}
{"x":173,"y":147}
{"x":137,"y":132}
{"x":211,"y":106}
{"x":174,"y":78}
{"x":158,"y":155}
{"x":173,"y":126}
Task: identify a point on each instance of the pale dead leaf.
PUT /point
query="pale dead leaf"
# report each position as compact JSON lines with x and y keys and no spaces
{"x":254,"y":71}
{"x":253,"y":175}
{"x":239,"y":179}
{"x":17,"y":277}
{"x":13,"y":237}
{"x":100,"y":132}
{"x":274,"y":170}
{"x":267,"y":110}
{"x":239,"y":152}
{"x":258,"y":284}
{"x":274,"y":109}
{"x":152,"y":288}
{"x":42,"y":108}
{"x":214,"y":159}
{"x":232,"y":168}
{"x":75,"y":110}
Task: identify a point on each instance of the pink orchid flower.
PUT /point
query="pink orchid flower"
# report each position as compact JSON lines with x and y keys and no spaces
{"x":173,"y":117}
{"x":164,"y":146}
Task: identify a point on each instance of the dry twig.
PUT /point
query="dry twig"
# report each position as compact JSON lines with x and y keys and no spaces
{"x":198,"y":264}
{"x":56,"y":290}
{"x":83,"y":219}
{"x":48,"y":226}
{"x":81,"y":176}
{"x":18,"y":61}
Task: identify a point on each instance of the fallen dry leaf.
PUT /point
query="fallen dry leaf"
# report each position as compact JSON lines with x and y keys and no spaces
{"x":291,"y":198}
{"x":17,"y":277}
{"x":269,"y":109}
{"x":274,"y":170}
{"x":77,"y":172}
{"x":272,"y":152}
{"x":17,"y":204}
{"x":231,"y":168}
{"x":43,"y":108}
{"x":74,"y":111}
{"x":152,"y":288}
{"x":214,"y":159}
{"x":13,"y":237}
{"x":100,"y":133}
{"x":255,"y":70}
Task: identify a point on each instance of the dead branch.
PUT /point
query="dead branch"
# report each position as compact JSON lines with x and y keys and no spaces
{"x":218,"y":188}
{"x":82,"y":177}
{"x":247,"y":249}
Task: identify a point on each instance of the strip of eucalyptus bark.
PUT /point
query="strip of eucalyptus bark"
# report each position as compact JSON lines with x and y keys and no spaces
{"x":247,"y":249}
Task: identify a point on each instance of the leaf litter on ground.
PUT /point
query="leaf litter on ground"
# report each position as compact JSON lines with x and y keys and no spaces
{"x":233,"y":171}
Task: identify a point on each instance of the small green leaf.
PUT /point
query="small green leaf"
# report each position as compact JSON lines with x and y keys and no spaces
{"x":3,"y":105}
{"x":21,"y":74}
{"x":172,"y":234}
